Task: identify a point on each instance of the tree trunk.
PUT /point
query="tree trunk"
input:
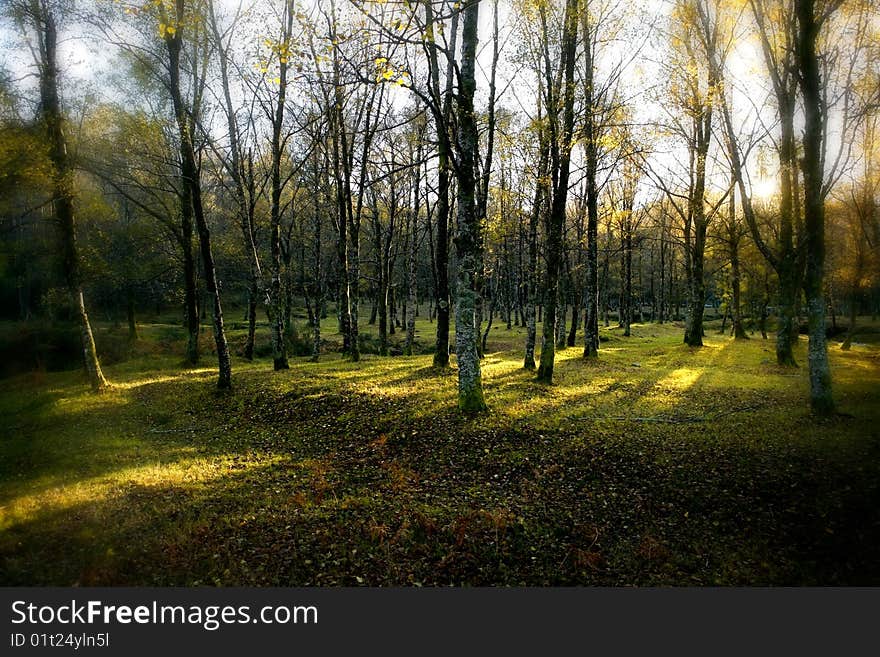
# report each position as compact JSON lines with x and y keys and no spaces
{"x":821,"y":398}
{"x":411,"y":277}
{"x":575,"y":321}
{"x":485,"y":334}
{"x":561,"y":337}
{"x":318,"y":279}
{"x":532,"y":274}
{"x":627,"y":294}
{"x":253,"y":291}
{"x":412,"y":252}
{"x":442,"y":117}
{"x":382,"y":309}
{"x":467,"y":240}
{"x":276,"y":299}
{"x":63,"y":183}
{"x":591,"y":314}
{"x":851,"y":331}
{"x":697,"y":300}
{"x":739,"y":333}
{"x":661,"y":309}
{"x":560,"y":152}
{"x":244,"y":189}
{"x":190,"y":180}
{"x":190,"y":293}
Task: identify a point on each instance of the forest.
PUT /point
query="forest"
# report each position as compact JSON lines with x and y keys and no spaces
{"x":432,"y":292}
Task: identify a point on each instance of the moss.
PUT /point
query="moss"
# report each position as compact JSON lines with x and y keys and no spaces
{"x":472,"y":401}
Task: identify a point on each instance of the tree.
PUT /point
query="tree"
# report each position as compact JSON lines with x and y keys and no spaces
{"x":174,"y":22}
{"x":538,"y":205}
{"x":415,"y":144}
{"x":777,"y":37}
{"x":40,"y":17}
{"x":240,"y":169}
{"x":439,"y":102}
{"x":467,"y":237}
{"x":559,"y":98}
{"x":853,"y":238}
{"x":282,"y":50}
{"x":807,"y":61}
{"x":733,"y":239}
{"x":694,"y":91}
{"x":627,"y":217}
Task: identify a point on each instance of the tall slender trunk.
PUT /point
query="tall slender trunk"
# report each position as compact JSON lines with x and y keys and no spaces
{"x":765,"y":301}
{"x":591,"y":312}
{"x":606,"y":267}
{"x":442,"y":117}
{"x":276,"y":289}
{"x":381,"y":283}
{"x":190,"y":289}
{"x":851,"y":331}
{"x":341,"y":167}
{"x":627,"y":294}
{"x":63,"y":183}
{"x":789,"y":266}
{"x":467,"y":239}
{"x":253,"y":292}
{"x":441,"y":260}
{"x":661,"y":310}
{"x":560,"y":152}
{"x":739,"y":333}
{"x":821,"y":398}
{"x":318,"y":293}
{"x":412,"y":253}
{"x":561,"y":341}
{"x":244,"y":191}
{"x":575,"y":320}
{"x":287,"y":293}
{"x":697,"y":297}
{"x":786,"y":259}
{"x":695,"y":247}
{"x":532,"y":275}
{"x":190,"y":179}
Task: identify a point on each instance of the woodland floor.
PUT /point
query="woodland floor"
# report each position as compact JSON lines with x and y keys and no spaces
{"x":657,"y":465}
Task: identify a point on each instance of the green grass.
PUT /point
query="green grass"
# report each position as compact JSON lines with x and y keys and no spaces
{"x":658,"y":464}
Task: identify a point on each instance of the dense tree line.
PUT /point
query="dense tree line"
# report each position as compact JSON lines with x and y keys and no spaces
{"x":569,"y":164}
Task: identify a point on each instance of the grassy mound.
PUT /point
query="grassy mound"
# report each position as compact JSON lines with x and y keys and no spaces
{"x":658,"y":464}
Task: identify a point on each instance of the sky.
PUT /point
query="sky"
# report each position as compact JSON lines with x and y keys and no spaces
{"x":87,"y":62}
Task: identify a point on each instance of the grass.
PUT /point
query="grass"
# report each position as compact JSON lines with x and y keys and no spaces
{"x":657,"y":465}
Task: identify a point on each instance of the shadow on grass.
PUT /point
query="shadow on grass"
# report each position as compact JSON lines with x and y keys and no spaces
{"x":342,"y":473}
{"x":484,"y":507}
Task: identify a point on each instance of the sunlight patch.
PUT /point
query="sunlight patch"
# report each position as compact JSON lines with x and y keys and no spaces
{"x":681,"y":379}
{"x":183,"y":473}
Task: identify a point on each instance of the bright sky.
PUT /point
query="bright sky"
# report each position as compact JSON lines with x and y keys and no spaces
{"x":86,"y":60}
